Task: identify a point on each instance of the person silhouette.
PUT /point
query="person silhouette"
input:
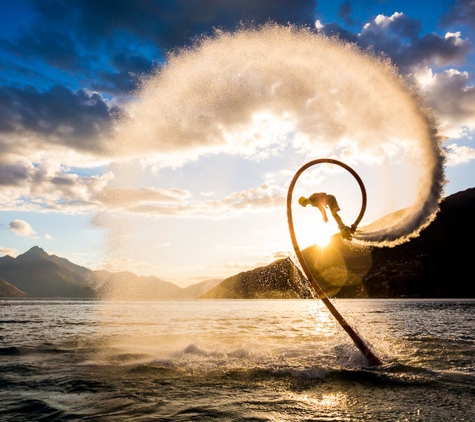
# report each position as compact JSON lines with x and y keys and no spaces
{"x":322,"y":201}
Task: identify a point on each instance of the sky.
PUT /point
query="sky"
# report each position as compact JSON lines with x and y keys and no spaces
{"x":160,"y":137}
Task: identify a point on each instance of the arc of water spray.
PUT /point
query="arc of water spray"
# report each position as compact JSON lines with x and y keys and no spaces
{"x":360,"y":344}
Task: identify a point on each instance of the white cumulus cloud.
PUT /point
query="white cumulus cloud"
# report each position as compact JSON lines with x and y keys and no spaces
{"x":21,"y":228}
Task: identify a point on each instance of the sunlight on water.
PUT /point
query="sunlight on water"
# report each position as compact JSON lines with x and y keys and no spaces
{"x":198,"y":334}
{"x":327,"y":401}
{"x":324,"y":323}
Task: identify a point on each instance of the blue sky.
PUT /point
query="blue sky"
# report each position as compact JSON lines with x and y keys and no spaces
{"x":129,"y":142}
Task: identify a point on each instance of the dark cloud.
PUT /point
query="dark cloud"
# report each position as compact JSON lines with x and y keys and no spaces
{"x":432,"y":49}
{"x":14,"y":174}
{"x":344,"y":12}
{"x":332,"y":29}
{"x":174,"y":23}
{"x":130,"y":68}
{"x":131,"y":63}
{"x":117,"y":83}
{"x":95,"y":38}
{"x":106,"y":46}
{"x":76,"y":119}
{"x":399,"y":37}
{"x":56,"y":48}
{"x":63,"y":181}
{"x":451,"y":95}
{"x":462,"y":12}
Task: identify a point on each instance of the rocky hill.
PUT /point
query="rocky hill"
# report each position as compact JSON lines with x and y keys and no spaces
{"x":279,"y":280}
{"x":438,"y":263}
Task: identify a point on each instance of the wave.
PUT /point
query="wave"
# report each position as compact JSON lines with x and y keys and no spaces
{"x":9,"y":351}
{"x":342,"y":363}
{"x":31,"y":410}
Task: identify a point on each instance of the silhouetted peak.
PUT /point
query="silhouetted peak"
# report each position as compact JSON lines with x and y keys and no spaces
{"x":35,"y":252}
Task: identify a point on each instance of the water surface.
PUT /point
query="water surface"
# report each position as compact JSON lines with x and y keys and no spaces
{"x":261,"y":360}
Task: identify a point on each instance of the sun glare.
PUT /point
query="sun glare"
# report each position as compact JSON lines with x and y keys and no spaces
{"x":314,"y":231}
{"x":323,"y":235}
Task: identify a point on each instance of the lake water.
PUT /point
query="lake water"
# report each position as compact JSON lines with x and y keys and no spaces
{"x":235,"y":360}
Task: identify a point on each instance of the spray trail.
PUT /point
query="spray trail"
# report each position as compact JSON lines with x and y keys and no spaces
{"x":258,"y":91}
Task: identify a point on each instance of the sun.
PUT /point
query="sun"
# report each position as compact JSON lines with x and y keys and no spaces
{"x":314,"y":231}
{"x":323,"y":235}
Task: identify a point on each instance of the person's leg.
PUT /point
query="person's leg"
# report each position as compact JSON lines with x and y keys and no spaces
{"x":334,"y":208}
{"x":337,"y":218}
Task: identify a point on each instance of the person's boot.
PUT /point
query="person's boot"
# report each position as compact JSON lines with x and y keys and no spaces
{"x":345,"y":233}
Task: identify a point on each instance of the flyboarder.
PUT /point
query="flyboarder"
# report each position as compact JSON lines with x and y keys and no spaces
{"x":321,"y":200}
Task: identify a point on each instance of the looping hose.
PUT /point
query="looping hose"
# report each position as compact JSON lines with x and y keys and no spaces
{"x":360,"y":344}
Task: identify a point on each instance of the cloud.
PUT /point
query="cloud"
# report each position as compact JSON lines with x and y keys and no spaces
{"x":263,"y":198}
{"x":344,"y":12}
{"x":56,"y":47}
{"x":82,"y":36}
{"x":450,"y":94}
{"x":8,"y":251}
{"x":129,"y":198}
{"x":176,"y":23}
{"x":47,"y":186}
{"x":154,"y":202}
{"x":459,"y":154}
{"x":399,"y":37}
{"x":48,"y":236}
{"x":208,"y":194}
{"x":21,"y":228}
{"x":79,"y":120}
{"x":463,"y":12}
{"x":14,"y":174}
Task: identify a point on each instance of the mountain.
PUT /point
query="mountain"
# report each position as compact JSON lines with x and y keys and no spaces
{"x":438,"y":263}
{"x":198,"y":289}
{"x":279,"y":280}
{"x":39,"y":274}
{"x":9,"y":290}
{"x":435,"y":264}
{"x":126,"y":285}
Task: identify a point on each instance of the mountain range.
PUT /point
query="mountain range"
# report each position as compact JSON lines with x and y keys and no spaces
{"x":438,"y":263}
{"x":35,"y":273}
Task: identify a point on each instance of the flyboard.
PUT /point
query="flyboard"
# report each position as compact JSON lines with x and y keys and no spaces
{"x":360,"y":344}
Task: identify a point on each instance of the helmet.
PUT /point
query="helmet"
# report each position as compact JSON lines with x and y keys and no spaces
{"x":303,"y":201}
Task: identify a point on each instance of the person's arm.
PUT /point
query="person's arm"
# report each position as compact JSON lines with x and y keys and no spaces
{"x":324,"y":213}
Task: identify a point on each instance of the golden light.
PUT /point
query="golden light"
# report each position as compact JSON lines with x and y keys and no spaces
{"x":326,"y":401}
{"x":314,"y":231}
{"x":323,"y":234}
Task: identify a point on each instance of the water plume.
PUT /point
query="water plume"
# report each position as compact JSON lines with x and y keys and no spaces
{"x":266,"y":91}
